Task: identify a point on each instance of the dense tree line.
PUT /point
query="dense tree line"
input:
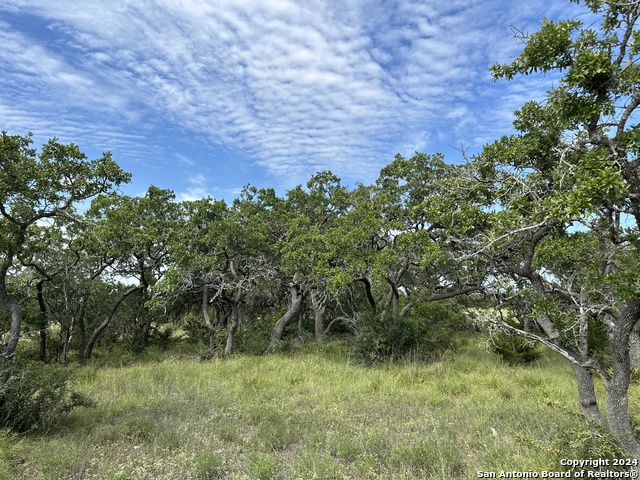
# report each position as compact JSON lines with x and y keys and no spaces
{"x":542,"y":225}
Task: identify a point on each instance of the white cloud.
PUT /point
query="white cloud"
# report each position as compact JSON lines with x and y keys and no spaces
{"x":298,"y":86}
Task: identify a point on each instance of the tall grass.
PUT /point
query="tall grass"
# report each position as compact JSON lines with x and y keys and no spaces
{"x":309,"y":414}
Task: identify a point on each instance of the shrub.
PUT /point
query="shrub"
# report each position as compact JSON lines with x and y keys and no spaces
{"x":34,"y":395}
{"x":513,"y":349}
{"x":254,"y":338}
{"x":428,"y":330}
{"x":589,"y":443}
{"x":193,"y":325}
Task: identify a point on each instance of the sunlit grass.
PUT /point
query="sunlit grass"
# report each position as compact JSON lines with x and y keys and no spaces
{"x":310,"y":414}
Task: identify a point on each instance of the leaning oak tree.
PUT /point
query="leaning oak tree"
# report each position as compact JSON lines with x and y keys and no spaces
{"x":569,"y":180}
{"x":35,"y":187}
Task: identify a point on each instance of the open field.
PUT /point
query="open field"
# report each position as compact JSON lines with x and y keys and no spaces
{"x":312,"y":414}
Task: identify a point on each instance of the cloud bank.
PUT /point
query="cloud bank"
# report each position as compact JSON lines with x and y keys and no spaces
{"x":293,"y":87}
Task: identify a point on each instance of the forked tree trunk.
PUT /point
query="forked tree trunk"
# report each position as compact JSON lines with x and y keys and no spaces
{"x":291,"y":314}
{"x":584,"y":377}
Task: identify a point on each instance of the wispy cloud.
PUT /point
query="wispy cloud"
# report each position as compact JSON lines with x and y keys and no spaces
{"x":196,"y":188}
{"x":297,"y":86}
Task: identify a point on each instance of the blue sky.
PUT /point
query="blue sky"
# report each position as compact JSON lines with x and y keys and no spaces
{"x":203,"y":97}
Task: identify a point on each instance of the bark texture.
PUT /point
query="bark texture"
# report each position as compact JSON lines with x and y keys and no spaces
{"x":295,"y":307}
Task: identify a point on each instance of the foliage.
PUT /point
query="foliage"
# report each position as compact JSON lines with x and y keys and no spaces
{"x":33,"y":396}
{"x":253,"y":339}
{"x":263,"y":467}
{"x":514,"y":349}
{"x":209,"y":466}
{"x":560,"y":198}
{"x":589,"y":443}
{"x":544,"y":222}
{"x":42,"y":187}
{"x":426,"y":332}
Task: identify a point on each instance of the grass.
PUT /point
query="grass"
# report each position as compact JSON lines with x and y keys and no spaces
{"x":311,"y":414}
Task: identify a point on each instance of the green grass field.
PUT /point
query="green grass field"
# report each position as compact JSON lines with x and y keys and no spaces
{"x":310,"y":414}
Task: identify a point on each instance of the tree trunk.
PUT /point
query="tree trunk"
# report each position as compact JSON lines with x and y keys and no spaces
{"x":42,"y":354}
{"x":617,"y":387}
{"x":146,"y":328}
{"x":235,"y":321}
{"x":68,"y":335}
{"x":16,"y":323}
{"x":83,"y":337}
{"x":13,"y":307}
{"x":584,"y":376}
{"x":43,"y":321}
{"x":317,"y":302}
{"x":634,"y":347}
{"x":207,"y":318}
{"x":103,"y":326}
{"x":294,"y":310}
{"x":367,"y":287}
{"x":587,"y":395}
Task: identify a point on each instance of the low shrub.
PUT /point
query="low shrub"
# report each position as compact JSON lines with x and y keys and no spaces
{"x":589,"y":443}
{"x":254,"y":339}
{"x":424,"y":333}
{"x":513,"y":349}
{"x":34,"y":395}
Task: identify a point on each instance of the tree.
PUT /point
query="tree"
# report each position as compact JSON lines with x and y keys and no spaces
{"x":135,"y":234}
{"x":198,"y":259}
{"x":567,"y":184}
{"x":222,"y":259}
{"x":50,"y":253}
{"x":307,"y":254}
{"x":38,"y":187}
{"x":418,"y":259}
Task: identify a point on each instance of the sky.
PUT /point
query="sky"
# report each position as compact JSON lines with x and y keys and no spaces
{"x":206,"y":96}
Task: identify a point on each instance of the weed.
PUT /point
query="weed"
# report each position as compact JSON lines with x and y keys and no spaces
{"x":209,"y":466}
{"x":343,"y":445}
{"x":315,"y":466}
{"x":263,"y":467}
{"x":136,"y":429}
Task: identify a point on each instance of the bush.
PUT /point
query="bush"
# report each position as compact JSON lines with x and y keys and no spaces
{"x":193,"y":325}
{"x":254,"y":338}
{"x":428,"y":330}
{"x":513,"y":349}
{"x":34,"y":395}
